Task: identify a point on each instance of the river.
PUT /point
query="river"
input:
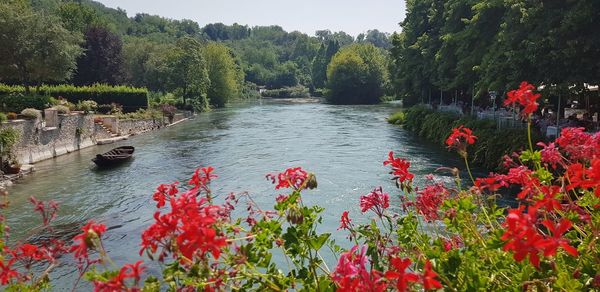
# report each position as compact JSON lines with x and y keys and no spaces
{"x":343,"y":145}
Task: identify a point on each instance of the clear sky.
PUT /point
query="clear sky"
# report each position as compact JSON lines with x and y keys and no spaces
{"x":351,"y":16}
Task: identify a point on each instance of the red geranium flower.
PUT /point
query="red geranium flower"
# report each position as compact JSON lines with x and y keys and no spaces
{"x":524,"y":97}
{"x":399,"y":168}
{"x":345,"y":221}
{"x":291,"y":177}
{"x":91,"y":233}
{"x":429,"y":278}
{"x":398,"y":273}
{"x":376,"y":200}
{"x":460,"y":138}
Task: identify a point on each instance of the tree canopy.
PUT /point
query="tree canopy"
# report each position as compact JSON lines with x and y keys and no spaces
{"x":35,"y":46}
{"x":356,"y":75}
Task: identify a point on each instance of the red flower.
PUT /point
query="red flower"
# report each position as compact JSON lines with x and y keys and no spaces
{"x":399,"y":168}
{"x":190,"y":225}
{"x":290,"y":178}
{"x":91,"y":232}
{"x":397,"y":272}
{"x":377,"y":201}
{"x":522,"y":236}
{"x":551,"y":244}
{"x":550,"y":154}
{"x":429,"y":278}
{"x":117,"y":283}
{"x":202,"y":178}
{"x":429,"y":201}
{"x":578,"y":144}
{"x":164,"y":192}
{"x":345,"y":221}
{"x":524,"y":97}
{"x":460,"y":138}
{"x":6,"y":271}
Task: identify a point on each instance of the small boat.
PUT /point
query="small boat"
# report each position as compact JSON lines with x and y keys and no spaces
{"x":114,"y":157}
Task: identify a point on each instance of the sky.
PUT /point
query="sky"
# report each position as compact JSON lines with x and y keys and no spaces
{"x":351,"y":16}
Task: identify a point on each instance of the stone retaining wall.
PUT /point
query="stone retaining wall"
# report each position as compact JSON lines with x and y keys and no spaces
{"x":72,"y":132}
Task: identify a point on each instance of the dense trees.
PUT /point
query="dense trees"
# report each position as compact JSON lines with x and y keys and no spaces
{"x":225,"y":76}
{"x":102,"y":61}
{"x":34,"y":48}
{"x":320,"y":62}
{"x":463,"y":46}
{"x":356,"y":75}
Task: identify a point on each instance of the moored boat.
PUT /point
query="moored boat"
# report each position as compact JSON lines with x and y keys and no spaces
{"x":114,"y":157}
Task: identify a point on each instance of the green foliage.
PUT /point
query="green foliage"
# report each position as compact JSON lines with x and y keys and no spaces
{"x":62,"y":109}
{"x":18,"y":101}
{"x":224,"y":74}
{"x":464,"y":46}
{"x":129,"y":97}
{"x":3,"y":118}
{"x":141,"y":114}
{"x":86,"y":106}
{"x":320,"y":62}
{"x":103,"y":59}
{"x":356,"y":75}
{"x":31,"y":113}
{"x":35,"y":47}
{"x":8,"y":138}
{"x":397,"y":118}
{"x":287,"y":92}
{"x":492,"y":144}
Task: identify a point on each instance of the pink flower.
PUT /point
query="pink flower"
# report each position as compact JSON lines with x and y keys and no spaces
{"x":377,"y":201}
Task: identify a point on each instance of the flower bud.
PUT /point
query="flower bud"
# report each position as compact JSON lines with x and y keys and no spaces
{"x":311,"y":182}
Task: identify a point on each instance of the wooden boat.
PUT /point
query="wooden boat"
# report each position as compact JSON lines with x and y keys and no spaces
{"x":114,"y":157}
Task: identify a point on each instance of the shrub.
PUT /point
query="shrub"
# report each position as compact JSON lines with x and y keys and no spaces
{"x":397,"y":118}
{"x":31,"y":113}
{"x":86,"y":105}
{"x":493,"y":144}
{"x":3,"y":118}
{"x":287,"y":92}
{"x":104,"y":109}
{"x":168,"y":110}
{"x":8,"y":138}
{"x":16,"y":102}
{"x":129,"y":97}
{"x":62,"y":109}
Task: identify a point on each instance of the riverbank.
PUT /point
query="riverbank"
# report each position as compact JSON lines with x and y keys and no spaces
{"x":56,"y":135}
{"x":492,"y":143}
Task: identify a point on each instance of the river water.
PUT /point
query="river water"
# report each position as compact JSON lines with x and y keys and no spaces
{"x":343,"y":145}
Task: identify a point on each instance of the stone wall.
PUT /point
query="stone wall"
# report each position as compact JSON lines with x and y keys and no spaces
{"x":130,"y":127}
{"x":38,"y":142}
{"x":70,"y":133}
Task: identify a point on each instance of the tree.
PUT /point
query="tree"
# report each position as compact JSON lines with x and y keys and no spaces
{"x":356,"y":75}
{"x":320,"y":62}
{"x":102,"y":61}
{"x":223,"y":73}
{"x":35,"y":47}
{"x":78,"y":17}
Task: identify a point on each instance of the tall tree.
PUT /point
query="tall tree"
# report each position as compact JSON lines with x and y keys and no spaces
{"x":34,"y":48}
{"x":102,"y":61}
{"x":223,"y":73}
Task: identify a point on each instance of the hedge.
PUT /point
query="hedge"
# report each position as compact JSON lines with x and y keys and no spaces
{"x":130,"y":98}
{"x":287,"y":92}
{"x":492,"y":144}
{"x":16,"y":102}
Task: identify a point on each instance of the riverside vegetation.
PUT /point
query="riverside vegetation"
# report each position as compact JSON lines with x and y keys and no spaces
{"x":546,"y":242}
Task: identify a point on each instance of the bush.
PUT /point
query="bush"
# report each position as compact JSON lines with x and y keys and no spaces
{"x":3,"y":118}
{"x":130,"y":98}
{"x":104,"y":109}
{"x":31,"y":113}
{"x":62,"y":109}
{"x":287,"y":92}
{"x":491,"y":146}
{"x":397,"y":118}
{"x":86,"y":105}
{"x":8,"y":138}
{"x":16,"y":102}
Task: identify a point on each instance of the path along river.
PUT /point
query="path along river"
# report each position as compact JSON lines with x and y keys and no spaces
{"x":343,"y":145}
